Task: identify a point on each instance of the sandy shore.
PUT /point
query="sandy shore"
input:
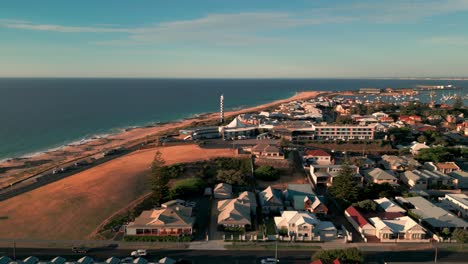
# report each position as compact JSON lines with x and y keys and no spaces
{"x":25,"y":167}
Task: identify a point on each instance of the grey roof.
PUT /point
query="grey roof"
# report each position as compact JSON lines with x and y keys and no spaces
{"x":434,"y":215}
{"x":379,"y":174}
{"x":299,"y":189}
{"x":5,"y":260}
{"x":459,"y":174}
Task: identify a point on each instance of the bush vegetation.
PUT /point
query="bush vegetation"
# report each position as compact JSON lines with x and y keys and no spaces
{"x":349,"y":255}
{"x":267,"y":173}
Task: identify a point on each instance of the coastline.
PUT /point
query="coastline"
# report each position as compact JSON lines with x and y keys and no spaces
{"x":30,"y":164}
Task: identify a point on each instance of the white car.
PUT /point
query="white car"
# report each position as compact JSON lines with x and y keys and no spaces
{"x":269,"y":261}
{"x":139,"y":253}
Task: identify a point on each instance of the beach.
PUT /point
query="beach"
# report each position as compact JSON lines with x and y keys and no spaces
{"x":14,"y":170}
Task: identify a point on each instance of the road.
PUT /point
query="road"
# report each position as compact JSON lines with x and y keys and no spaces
{"x":238,"y":256}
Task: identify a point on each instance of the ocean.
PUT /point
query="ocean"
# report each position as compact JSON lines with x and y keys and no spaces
{"x":37,"y":114}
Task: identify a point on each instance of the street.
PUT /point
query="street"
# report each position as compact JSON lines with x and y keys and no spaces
{"x":238,"y":256}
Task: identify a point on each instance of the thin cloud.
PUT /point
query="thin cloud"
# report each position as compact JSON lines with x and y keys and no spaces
{"x":447,"y":40}
{"x":250,"y":28}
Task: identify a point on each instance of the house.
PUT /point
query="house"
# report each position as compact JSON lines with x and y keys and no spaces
{"x":223,"y":191}
{"x":458,"y":202}
{"x":317,"y":156}
{"x":413,"y":119}
{"x":249,"y":197}
{"x":433,"y":215}
{"x":460,"y":179}
{"x":415,"y":148}
{"x":323,"y":174}
{"x":234,"y":213}
{"x":359,"y":222}
{"x":447,"y":167}
{"x":399,"y":230}
{"x":303,"y":198}
{"x":271,"y":200}
{"x":379,"y":176}
{"x":379,"y":115}
{"x":305,"y":226}
{"x":342,"y":110}
{"x":267,"y":151}
{"x":363,"y":162}
{"x":423,"y":179}
{"x":171,"y":219}
{"x":398,"y":163}
{"x":389,"y":206}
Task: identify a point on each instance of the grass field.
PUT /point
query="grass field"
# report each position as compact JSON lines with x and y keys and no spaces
{"x":73,"y":207}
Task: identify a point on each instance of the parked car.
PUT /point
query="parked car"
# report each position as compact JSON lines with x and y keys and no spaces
{"x":269,"y":261}
{"x":190,"y":204}
{"x":139,"y":253}
{"x":126,"y":260}
{"x":81,"y":250}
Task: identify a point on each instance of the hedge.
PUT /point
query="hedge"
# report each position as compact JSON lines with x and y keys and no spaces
{"x":158,"y":238}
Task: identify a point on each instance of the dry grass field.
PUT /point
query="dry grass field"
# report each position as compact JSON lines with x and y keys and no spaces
{"x":73,"y":207}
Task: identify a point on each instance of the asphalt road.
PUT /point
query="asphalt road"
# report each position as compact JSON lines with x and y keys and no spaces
{"x":237,"y":256}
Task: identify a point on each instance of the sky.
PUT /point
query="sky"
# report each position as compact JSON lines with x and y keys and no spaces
{"x":234,"y":39}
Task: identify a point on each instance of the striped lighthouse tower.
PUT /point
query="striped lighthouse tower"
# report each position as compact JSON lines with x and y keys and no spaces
{"x":221,"y":109}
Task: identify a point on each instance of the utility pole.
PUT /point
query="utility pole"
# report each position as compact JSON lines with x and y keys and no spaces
{"x":276,"y":249}
{"x":14,"y":250}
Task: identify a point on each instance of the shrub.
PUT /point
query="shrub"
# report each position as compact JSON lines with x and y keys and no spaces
{"x":158,"y":238}
{"x":267,"y":173}
{"x":349,"y":255}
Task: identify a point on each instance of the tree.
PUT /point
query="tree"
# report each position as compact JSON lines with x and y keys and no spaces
{"x":344,"y":120}
{"x":267,"y":173}
{"x":437,"y":154}
{"x":460,"y":235}
{"x":445,"y":232}
{"x":231,"y":177}
{"x":344,"y":186}
{"x":422,"y":139}
{"x":284,"y":143}
{"x":159,"y":179}
{"x":366,"y":205}
{"x":349,"y":255}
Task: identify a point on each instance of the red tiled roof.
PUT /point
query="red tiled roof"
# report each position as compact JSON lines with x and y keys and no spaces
{"x":356,"y":216}
{"x":337,"y":261}
{"x":447,"y":165}
{"x":427,"y":128}
{"x":317,"y":152}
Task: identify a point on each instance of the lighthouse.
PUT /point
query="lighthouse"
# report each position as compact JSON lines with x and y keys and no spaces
{"x":221,"y":109}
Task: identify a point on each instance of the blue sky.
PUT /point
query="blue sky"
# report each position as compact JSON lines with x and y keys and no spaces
{"x":208,"y":38}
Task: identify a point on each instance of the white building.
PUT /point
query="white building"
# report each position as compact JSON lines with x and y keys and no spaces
{"x":324,"y":174}
{"x":398,"y":230}
{"x":304,"y":226}
{"x":458,"y":202}
{"x":389,"y":206}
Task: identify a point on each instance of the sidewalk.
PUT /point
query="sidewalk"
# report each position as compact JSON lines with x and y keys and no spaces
{"x":208,"y":245}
